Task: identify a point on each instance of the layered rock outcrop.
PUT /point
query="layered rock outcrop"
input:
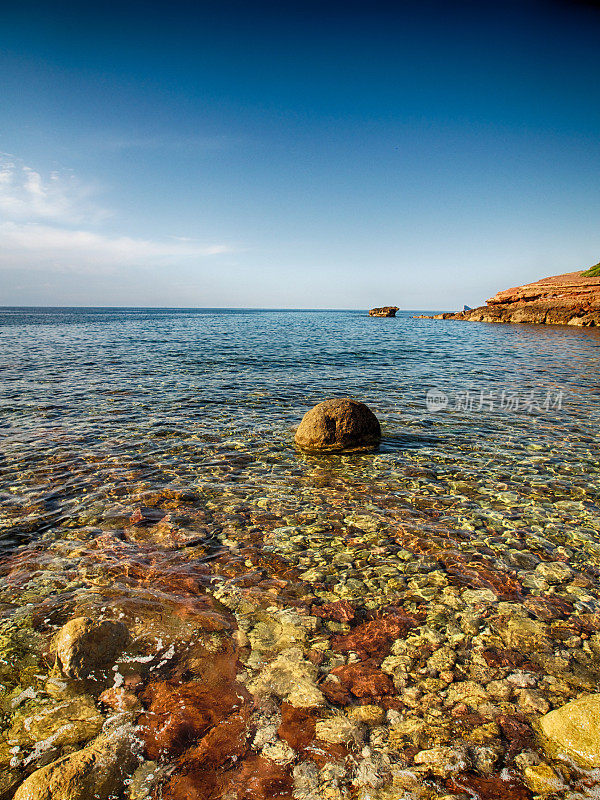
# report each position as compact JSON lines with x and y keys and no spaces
{"x":569,"y":299}
{"x":385,"y":311}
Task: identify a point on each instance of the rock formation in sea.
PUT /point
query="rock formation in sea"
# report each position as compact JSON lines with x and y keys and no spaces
{"x":384,"y":311}
{"x":569,"y":299}
{"x":338,"y":425}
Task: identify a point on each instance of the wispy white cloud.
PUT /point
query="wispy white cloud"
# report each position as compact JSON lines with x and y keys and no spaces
{"x":61,"y":197}
{"x":36,"y":246}
{"x":45,"y":224}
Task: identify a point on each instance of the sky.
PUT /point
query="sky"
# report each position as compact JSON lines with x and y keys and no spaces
{"x":295,"y":154}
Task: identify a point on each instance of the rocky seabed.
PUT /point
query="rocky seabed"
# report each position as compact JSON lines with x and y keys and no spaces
{"x":319,"y":640}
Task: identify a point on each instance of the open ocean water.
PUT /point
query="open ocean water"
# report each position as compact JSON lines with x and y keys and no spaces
{"x":348,"y":613}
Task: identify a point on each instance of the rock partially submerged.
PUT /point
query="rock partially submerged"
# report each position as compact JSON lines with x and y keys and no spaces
{"x":569,"y":299}
{"x":98,"y":771}
{"x":335,"y":426}
{"x":71,"y":722}
{"x":84,"y":645}
{"x":384,"y":311}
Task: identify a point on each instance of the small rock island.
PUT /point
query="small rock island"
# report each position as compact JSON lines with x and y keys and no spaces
{"x":569,"y":299}
{"x":384,"y":311}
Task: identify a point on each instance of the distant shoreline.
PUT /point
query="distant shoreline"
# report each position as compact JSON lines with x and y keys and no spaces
{"x":569,"y":299}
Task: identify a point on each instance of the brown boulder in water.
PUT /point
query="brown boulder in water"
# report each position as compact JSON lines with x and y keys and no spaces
{"x":385,"y":311}
{"x":340,"y":425}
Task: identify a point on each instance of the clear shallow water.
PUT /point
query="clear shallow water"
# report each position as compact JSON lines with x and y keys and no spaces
{"x":192,"y":414}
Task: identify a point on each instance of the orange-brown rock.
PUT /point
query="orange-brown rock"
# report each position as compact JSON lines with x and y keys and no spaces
{"x":489,"y":788}
{"x":340,"y":611}
{"x":361,"y":680}
{"x":338,"y":425}
{"x":201,"y":767}
{"x":569,"y":299}
{"x":257,"y":779}
{"x":325,"y":752}
{"x":516,"y":730}
{"x":226,"y":741}
{"x":179,"y":715}
{"x":374,"y":638}
{"x":119,"y":699}
{"x":514,"y":659}
{"x":548,"y":608}
{"x":384,"y":311}
{"x":298,"y":726}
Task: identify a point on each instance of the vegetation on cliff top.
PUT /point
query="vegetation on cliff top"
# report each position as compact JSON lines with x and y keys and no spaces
{"x":592,"y":272}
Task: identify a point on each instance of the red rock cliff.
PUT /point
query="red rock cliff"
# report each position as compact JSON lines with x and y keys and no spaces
{"x":569,"y":299}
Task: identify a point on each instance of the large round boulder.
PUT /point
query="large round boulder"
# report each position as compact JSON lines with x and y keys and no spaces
{"x":338,"y":426}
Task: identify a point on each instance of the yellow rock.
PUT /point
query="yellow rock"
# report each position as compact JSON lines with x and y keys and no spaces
{"x":573,"y":731}
{"x":484,"y":733}
{"x":409,"y":729}
{"x":84,"y":644}
{"x":526,"y":635}
{"x":542,"y":779}
{"x":469,"y":692}
{"x":441,"y":761}
{"x":71,"y":722}
{"x":338,"y":730}
{"x":368,"y":715}
{"x":98,"y":771}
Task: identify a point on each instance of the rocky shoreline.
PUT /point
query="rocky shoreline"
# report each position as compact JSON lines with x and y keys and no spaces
{"x":569,"y":299}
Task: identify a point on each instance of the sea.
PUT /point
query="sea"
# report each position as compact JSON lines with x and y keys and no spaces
{"x":148,"y":474}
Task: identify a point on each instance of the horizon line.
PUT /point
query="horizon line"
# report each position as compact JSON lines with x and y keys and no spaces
{"x":204,"y":308}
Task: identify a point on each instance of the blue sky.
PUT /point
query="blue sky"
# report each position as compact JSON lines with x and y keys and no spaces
{"x":295,"y":155}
